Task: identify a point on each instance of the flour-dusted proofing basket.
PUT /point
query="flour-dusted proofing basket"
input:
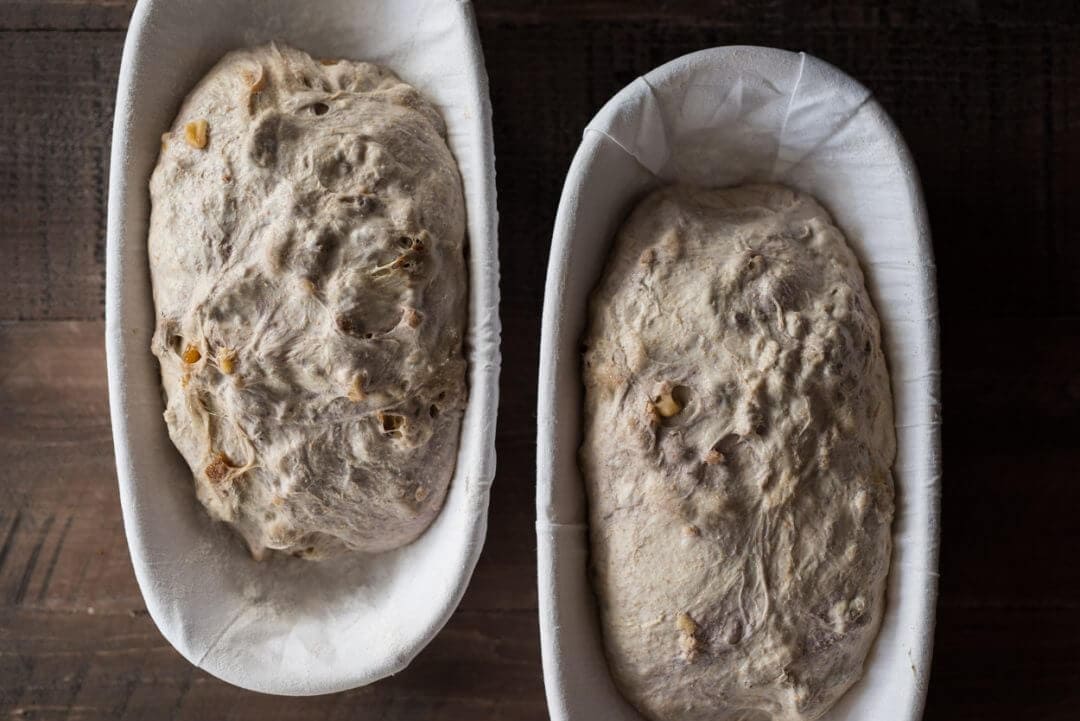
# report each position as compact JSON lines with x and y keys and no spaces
{"x":723,"y":117}
{"x":292,"y":627}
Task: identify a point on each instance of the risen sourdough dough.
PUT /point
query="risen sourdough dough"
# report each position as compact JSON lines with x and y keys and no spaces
{"x":306,"y":254}
{"x":738,"y":444}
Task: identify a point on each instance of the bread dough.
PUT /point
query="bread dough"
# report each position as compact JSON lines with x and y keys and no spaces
{"x":737,"y":452}
{"x":306,"y":252}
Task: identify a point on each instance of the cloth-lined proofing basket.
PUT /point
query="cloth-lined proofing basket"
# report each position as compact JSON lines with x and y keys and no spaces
{"x":286,"y":626}
{"x":716,"y":118}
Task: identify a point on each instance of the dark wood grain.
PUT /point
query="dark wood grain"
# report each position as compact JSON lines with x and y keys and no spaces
{"x":78,"y":15}
{"x":835,"y":14}
{"x":58,"y":90}
{"x":75,"y":637}
{"x":987,"y":95}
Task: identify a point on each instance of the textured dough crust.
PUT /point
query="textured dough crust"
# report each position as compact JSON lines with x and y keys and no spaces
{"x":737,"y":454}
{"x":306,"y":251}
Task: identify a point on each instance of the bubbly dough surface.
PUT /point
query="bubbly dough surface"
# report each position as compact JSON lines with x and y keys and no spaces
{"x":306,"y":251}
{"x":737,"y":452}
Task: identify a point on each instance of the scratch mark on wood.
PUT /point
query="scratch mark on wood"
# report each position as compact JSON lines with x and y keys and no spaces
{"x":87,"y":559}
{"x":185,"y":686}
{"x":129,"y":691}
{"x":28,"y":572}
{"x":55,"y":557}
{"x":9,"y":537}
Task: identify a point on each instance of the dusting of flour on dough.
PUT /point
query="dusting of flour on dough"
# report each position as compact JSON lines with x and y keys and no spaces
{"x":737,"y":452}
{"x":306,"y":251}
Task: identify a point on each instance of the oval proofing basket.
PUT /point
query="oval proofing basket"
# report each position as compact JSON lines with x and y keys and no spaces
{"x":292,"y":627}
{"x":723,"y":117}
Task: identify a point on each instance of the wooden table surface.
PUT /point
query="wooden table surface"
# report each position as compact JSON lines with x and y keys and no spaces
{"x":988,"y":97}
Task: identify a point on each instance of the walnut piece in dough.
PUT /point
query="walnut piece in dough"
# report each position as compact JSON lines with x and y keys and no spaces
{"x":737,"y":452}
{"x":306,"y":251}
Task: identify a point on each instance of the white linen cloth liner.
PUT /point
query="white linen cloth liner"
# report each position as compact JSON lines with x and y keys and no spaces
{"x":721,"y":117}
{"x":287,"y":626}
